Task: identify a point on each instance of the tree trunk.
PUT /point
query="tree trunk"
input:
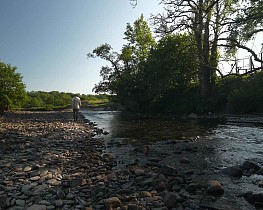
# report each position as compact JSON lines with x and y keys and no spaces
{"x":205,"y":83}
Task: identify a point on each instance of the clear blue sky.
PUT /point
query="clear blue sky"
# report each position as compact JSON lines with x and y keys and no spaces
{"x":47,"y":40}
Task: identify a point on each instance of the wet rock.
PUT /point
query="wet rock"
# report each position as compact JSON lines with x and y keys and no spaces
{"x":234,"y":171}
{"x":255,"y":198}
{"x":248,"y":165}
{"x":260,"y":171}
{"x":215,"y":187}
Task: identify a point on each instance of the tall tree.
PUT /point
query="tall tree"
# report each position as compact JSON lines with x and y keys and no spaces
{"x":125,"y":65}
{"x":171,"y":69}
{"x":140,"y":40}
{"x":12,"y":88}
{"x":210,"y":21}
{"x":202,"y":19}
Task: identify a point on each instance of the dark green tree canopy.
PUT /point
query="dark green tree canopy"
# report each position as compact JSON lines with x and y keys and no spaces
{"x":171,"y":68}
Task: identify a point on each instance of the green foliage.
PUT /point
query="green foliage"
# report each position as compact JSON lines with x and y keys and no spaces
{"x":95,"y":100}
{"x":39,"y":100}
{"x":169,"y":71}
{"x":12,"y":88}
{"x":178,"y":73}
{"x":249,"y":97}
{"x":124,"y":66}
{"x":140,"y":40}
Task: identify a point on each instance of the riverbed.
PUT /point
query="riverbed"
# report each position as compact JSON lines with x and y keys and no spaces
{"x":209,"y":144}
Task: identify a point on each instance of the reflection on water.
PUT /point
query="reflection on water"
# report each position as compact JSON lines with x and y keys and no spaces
{"x":121,"y":125}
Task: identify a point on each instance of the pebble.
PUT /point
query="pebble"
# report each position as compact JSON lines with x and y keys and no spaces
{"x":50,"y":162}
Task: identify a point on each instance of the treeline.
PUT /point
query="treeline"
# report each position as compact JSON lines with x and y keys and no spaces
{"x":39,"y":100}
{"x":178,"y":72}
{"x":13,"y":94}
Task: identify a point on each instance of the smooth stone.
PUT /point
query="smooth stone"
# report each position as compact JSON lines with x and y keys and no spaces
{"x":37,"y":207}
{"x":58,"y":203}
{"x":68,"y":202}
{"x":139,"y":172}
{"x":35,"y":178}
{"x":44,"y":202}
{"x":27,"y":168}
{"x":215,"y":187}
{"x":20,"y":202}
{"x":233,"y":171}
{"x":53,"y":182}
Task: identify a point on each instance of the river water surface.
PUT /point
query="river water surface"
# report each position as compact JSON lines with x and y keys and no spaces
{"x":220,"y":142}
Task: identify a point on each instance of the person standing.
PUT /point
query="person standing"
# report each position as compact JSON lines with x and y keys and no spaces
{"x":76,"y":103}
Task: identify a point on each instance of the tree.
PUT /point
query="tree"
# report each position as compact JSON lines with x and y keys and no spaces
{"x":202,"y":19}
{"x":110,"y":74}
{"x":245,"y":25}
{"x":210,"y":22}
{"x":125,"y":65}
{"x":171,"y":69}
{"x":12,"y":88}
{"x":140,"y":40}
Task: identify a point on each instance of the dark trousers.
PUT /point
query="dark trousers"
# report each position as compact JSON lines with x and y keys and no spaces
{"x":75,"y":114}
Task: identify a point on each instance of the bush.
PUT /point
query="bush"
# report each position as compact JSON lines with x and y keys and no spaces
{"x":249,"y":97}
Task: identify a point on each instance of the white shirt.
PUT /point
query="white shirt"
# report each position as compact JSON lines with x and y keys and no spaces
{"x":76,"y":103}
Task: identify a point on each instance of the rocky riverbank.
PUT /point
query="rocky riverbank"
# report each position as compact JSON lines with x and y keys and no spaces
{"x":50,"y":162}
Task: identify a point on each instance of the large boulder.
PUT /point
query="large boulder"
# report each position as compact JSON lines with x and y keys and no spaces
{"x":234,"y":171}
{"x":249,"y":167}
{"x":215,"y":187}
{"x":255,"y":198}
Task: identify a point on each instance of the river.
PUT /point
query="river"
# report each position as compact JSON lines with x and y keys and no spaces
{"x":220,"y":142}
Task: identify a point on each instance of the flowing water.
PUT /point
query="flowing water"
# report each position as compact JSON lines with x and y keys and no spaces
{"x":220,"y":142}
